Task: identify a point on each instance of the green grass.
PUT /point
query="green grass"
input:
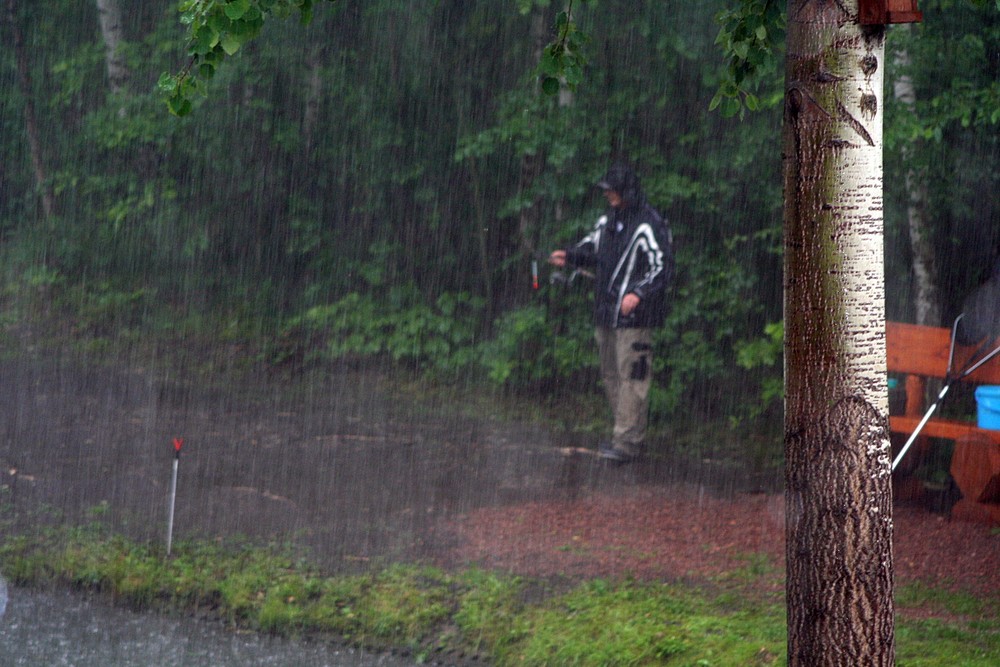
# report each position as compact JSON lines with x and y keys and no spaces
{"x":628,"y":623}
{"x":948,"y":602}
{"x":935,"y":643}
{"x":971,"y":637}
{"x":505,"y":619}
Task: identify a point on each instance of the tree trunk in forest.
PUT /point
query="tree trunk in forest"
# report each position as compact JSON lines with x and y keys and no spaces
{"x":527,"y":221}
{"x":926,"y":296}
{"x":30,"y":120}
{"x":113,"y":32}
{"x":838,"y":494}
{"x":314,"y":93}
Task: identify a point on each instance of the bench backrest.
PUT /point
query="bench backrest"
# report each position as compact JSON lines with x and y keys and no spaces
{"x":920,"y":350}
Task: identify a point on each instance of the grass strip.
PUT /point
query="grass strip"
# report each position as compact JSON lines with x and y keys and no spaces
{"x":503,"y":619}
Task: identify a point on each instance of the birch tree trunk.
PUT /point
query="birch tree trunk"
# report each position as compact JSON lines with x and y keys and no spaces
{"x":838,"y":494}
{"x":314,"y":94}
{"x":113,"y":33}
{"x":926,"y":296}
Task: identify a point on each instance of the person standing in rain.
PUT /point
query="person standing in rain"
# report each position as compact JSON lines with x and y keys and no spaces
{"x":630,"y":252}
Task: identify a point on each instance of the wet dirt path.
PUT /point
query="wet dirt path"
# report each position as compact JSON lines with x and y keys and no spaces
{"x":363,"y":476}
{"x":336,"y":463}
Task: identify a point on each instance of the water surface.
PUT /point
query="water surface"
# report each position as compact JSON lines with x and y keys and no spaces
{"x":62,"y":629}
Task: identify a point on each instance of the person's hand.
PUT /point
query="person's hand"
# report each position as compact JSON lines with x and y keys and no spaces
{"x":558,"y":258}
{"x":629,"y":303}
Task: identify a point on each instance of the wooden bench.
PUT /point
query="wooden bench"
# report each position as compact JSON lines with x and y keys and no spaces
{"x":919,"y":353}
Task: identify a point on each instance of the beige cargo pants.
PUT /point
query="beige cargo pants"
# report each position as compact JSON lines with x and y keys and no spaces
{"x":626,"y":358}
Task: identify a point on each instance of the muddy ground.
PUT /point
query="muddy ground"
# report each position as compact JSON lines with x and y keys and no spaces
{"x":339,"y":463}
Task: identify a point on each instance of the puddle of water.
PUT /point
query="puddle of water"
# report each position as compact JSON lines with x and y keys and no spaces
{"x":61,"y":629}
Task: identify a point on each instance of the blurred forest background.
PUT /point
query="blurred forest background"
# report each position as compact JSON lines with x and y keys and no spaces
{"x":373,"y":186}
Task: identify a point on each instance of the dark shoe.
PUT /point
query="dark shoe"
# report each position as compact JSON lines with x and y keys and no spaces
{"x":608,"y":452}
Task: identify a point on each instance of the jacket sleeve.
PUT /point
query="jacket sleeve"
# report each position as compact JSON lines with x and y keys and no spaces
{"x":584,"y":253}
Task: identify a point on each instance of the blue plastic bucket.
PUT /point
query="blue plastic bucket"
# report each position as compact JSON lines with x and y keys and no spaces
{"x":988,"y":407}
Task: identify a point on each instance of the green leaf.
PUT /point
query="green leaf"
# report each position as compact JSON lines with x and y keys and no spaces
{"x":573,"y":73}
{"x":167,"y":83}
{"x":730,"y":107}
{"x":219,"y":22}
{"x":231,"y":43}
{"x":550,"y":62}
{"x":305,"y":14}
{"x":204,"y":40}
{"x":236,"y":9}
{"x":179,"y":105}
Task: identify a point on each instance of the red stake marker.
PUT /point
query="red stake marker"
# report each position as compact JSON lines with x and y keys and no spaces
{"x":178,"y":443}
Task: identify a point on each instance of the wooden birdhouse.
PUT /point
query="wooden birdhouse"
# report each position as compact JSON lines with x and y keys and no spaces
{"x":884,"y":12}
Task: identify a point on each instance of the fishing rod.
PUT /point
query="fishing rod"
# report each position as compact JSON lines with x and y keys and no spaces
{"x":559,"y":275}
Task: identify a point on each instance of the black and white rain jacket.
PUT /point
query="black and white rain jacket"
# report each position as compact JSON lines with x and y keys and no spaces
{"x":630,"y":250}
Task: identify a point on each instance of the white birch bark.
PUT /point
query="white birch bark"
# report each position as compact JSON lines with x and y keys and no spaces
{"x":838,"y":496}
{"x":314,"y":94}
{"x":926,"y":295}
{"x":113,"y":33}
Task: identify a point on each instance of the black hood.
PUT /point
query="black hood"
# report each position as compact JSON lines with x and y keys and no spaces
{"x":625,"y":182}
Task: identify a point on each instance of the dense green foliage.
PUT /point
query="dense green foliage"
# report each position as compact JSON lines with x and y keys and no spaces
{"x":218,"y":30}
{"x":375,"y":180}
{"x":506,"y":619}
{"x":750,"y":32}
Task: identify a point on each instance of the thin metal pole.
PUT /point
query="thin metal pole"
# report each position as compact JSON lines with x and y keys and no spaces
{"x":920,"y":426}
{"x":173,"y":494}
{"x":948,"y":378}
